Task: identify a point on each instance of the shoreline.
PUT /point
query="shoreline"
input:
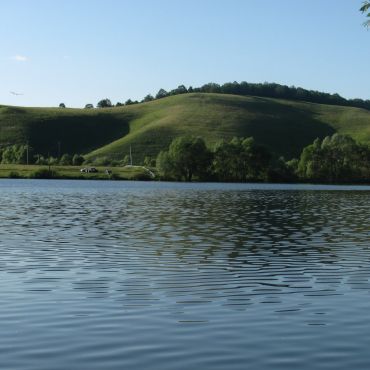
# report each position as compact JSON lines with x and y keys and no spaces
{"x":19,"y":171}
{"x":127,"y":173}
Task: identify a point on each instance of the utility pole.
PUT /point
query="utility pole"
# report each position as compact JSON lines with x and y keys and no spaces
{"x":130,"y":156}
{"x":27,"y":153}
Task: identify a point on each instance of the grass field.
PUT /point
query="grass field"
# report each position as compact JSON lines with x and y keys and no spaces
{"x":73,"y":172}
{"x":284,"y":126}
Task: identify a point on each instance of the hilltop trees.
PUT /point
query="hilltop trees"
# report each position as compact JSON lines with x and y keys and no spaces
{"x":161,"y":94}
{"x":148,"y":98}
{"x":104,"y":103}
{"x":269,"y":90}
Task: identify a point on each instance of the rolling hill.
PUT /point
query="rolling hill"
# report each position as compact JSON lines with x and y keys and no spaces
{"x":284,"y":126}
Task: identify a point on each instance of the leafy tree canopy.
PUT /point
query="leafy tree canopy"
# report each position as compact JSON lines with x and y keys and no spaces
{"x":366,"y":10}
{"x":104,"y":103}
{"x":186,"y":157}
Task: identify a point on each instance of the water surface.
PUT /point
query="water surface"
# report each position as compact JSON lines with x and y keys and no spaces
{"x":113,"y":275}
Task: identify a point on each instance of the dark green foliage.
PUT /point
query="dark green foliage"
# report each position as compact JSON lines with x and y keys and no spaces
{"x":148,"y":98}
{"x":130,"y":102}
{"x":62,"y":105}
{"x":141,"y":177}
{"x":14,"y":154}
{"x":44,"y":173}
{"x":40,"y":159}
{"x":241,"y":160}
{"x":104,"y":103}
{"x":282,"y":171}
{"x":271,"y":90}
{"x":77,"y":160}
{"x":365,"y":9}
{"x":187,"y":157}
{"x":89,"y":106}
{"x":180,"y":90}
{"x":126,"y":160}
{"x":149,"y":162}
{"x":161,"y":94}
{"x":14,"y":175}
{"x":335,"y":159}
{"x":66,"y":160}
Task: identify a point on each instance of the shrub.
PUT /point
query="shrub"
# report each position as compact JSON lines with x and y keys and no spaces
{"x":14,"y":175}
{"x":44,"y":173}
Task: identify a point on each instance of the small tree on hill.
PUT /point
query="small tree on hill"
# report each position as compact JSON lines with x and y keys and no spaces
{"x":89,"y":106}
{"x":62,"y":105}
{"x":104,"y":103}
{"x":161,"y":94}
{"x":148,"y":98}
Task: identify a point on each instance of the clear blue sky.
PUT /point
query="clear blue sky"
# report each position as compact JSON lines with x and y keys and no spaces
{"x":80,"y":51}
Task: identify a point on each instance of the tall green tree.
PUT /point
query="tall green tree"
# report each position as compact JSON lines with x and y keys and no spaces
{"x":77,"y":160}
{"x":240,"y":160}
{"x":187,"y":157}
{"x":336,"y":158}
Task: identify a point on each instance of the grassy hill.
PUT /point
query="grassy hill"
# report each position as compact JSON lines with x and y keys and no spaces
{"x":282,"y":125}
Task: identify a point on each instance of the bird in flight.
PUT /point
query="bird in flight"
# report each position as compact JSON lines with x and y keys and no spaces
{"x":15,"y":93}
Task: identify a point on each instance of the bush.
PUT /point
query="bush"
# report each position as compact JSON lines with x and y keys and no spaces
{"x":44,"y":173}
{"x":77,"y":160}
{"x":66,"y":160}
{"x":14,"y":175}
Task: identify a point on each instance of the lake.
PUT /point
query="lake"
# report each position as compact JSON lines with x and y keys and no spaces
{"x":135,"y":275}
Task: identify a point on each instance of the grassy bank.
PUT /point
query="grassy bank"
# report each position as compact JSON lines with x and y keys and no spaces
{"x":73,"y":172}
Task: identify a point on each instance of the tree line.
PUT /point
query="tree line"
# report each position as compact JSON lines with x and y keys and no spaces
{"x":267,"y":90}
{"x":24,"y":154}
{"x":334,"y":159}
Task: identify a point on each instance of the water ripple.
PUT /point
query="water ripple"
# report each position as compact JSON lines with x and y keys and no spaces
{"x":107,"y":275}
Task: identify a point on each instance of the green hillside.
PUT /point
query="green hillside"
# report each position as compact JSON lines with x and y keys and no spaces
{"x":282,"y":125}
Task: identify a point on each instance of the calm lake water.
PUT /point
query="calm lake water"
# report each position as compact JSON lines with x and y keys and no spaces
{"x":132,"y":275}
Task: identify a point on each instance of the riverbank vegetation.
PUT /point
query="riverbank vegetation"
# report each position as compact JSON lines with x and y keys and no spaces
{"x":73,"y":172}
{"x":335,"y":159}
